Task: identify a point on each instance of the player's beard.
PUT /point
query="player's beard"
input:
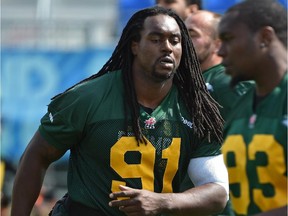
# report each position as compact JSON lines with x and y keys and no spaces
{"x":163,"y":76}
{"x":204,"y":55}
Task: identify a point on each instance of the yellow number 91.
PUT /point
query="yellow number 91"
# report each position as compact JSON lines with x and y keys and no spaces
{"x":145,"y":168}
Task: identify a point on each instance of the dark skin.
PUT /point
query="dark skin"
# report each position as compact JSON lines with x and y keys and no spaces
{"x":31,"y":171}
{"x":156,"y":57}
{"x":258,"y":56}
{"x":245,"y":59}
{"x":158,"y":41}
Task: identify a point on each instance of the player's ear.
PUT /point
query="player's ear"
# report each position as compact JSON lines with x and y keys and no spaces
{"x":266,"y":35}
{"x":217,"y":44}
{"x":134,"y":47}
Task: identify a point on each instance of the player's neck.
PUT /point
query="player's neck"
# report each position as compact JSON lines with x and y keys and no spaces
{"x":269,"y":77}
{"x":210,"y":62}
{"x":152,"y":95}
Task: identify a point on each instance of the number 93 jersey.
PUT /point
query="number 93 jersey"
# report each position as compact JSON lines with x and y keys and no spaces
{"x":89,"y":120}
{"x":255,"y":152}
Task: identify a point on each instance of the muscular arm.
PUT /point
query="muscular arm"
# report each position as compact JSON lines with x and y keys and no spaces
{"x":206,"y":199}
{"x":210,"y":177}
{"x":30,"y":174}
{"x":209,"y":196}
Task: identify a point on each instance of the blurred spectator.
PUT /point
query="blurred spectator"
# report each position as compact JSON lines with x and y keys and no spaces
{"x":182,"y":7}
{"x":5,"y":205}
{"x":7,"y":172}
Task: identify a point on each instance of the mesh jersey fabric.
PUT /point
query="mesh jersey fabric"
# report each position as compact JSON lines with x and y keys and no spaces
{"x":89,"y":120}
{"x":255,"y":152}
{"x":218,"y":84}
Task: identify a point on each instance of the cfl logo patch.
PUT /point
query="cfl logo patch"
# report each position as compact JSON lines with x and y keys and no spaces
{"x":150,"y":123}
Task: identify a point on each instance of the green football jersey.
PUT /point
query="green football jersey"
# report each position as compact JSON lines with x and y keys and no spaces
{"x":218,"y":84}
{"x":255,"y":152}
{"x":89,"y":120}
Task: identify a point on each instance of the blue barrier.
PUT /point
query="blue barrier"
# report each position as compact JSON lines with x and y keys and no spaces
{"x":29,"y":79}
{"x":127,"y":8}
{"x":218,"y":6}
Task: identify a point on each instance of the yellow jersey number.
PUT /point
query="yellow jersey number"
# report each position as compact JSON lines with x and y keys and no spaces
{"x":144,"y":169}
{"x":273,"y":173}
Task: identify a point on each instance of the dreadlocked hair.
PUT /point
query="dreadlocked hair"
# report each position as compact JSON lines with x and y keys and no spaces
{"x":207,"y":121}
{"x":188,"y":79}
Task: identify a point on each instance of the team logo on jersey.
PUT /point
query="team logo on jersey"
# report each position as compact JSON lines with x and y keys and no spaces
{"x":150,"y":123}
{"x":285,"y":120}
{"x":252,"y":121}
{"x":51,"y":117}
{"x":209,"y":87}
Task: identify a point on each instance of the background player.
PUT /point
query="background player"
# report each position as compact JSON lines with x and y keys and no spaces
{"x":254,"y":47}
{"x":203,"y":29}
{"x":182,"y":7}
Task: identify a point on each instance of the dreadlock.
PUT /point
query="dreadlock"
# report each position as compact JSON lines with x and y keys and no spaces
{"x":188,"y":79}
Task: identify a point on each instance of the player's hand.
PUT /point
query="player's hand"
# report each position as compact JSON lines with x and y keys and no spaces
{"x":136,"y":202}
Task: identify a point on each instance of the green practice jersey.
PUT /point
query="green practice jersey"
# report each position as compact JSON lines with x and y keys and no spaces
{"x":218,"y":84}
{"x":89,"y":120}
{"x":255,"y":152}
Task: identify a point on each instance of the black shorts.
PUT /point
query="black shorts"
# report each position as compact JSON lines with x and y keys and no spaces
{"x":67,"y":207}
